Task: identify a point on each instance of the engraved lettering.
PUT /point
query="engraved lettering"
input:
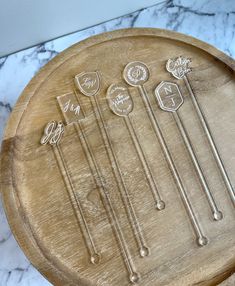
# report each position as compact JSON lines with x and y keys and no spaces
{"x":168,"y":89}
{"x":88,"y":83}
{"x":71,"y":107}
{"x":66,"y":106}
{"x":178,"y":67}
{"x":53,"y":133}
{"x":168,"y":96}
{"x":136,"y":72}
{"x":119,"y":99}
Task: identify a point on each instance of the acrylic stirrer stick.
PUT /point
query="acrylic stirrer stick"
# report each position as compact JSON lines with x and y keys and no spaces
{"x":73,"y":113}
{"x":53,"y":133}
{"x":170,"y":99}
{"x":136,"y":74}
{"x":89,"y":84}
{"x":121,"y":103}
{"x":179,"y":67}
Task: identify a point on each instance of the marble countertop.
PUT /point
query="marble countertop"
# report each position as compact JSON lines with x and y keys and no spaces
{"x":212,"y":21}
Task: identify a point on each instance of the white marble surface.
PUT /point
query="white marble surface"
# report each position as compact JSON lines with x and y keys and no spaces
{"x":212,"y":21}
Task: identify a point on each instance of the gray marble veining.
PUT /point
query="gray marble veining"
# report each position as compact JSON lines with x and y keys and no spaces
{"x":212,"y":21}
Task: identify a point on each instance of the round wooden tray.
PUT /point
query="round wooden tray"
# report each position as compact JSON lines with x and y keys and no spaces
{"x":118,"y":163}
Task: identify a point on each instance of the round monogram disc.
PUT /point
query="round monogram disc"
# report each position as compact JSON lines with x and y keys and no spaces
{"x":136,"y":73}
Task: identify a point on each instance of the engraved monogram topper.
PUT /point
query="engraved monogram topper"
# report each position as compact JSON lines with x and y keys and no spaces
{"x":70,"y":107}
{"x":119,"y":99}
{"x":178,"y":67}
{"x":53,"y":133}
{"x":169,"y":96}
{"x":136,"y":73}
{"x":88,"y":83}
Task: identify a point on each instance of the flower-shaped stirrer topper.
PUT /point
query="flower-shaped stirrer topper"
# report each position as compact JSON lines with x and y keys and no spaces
{"x":179,"y":67}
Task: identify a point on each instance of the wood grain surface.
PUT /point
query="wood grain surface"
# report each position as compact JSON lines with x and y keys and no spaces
{"x":89,"y":209}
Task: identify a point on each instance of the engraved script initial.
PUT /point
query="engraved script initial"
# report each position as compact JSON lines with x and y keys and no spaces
{"x":53,"y":133}
{"x":88,"y":83}
{"x":119,"y":99}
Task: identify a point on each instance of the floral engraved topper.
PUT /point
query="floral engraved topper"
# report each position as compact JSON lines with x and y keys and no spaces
{"x":136,"y":73}
{"x":178,"y":67}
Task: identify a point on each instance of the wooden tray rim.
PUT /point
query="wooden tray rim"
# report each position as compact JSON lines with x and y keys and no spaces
{"x":14,"y":211}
